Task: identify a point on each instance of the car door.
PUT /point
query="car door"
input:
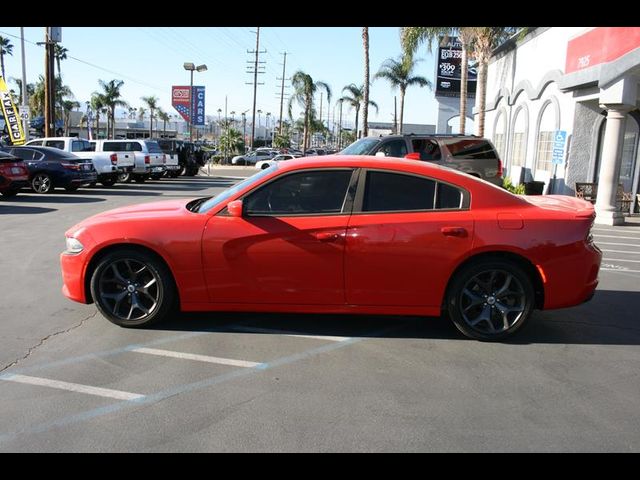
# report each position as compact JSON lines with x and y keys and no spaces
{"x":288,"y":247}
{"x":405,"y":234}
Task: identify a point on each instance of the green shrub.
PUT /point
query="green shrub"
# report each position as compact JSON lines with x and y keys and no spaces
{"x":517,"y":189}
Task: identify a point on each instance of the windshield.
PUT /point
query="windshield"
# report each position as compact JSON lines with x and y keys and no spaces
{"x":231,"y":191}
{"x":360,"y":147}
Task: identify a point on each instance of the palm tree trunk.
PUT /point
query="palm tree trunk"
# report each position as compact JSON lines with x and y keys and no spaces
{"x":482,"y":95}
{"x":365,"y":107}
{"x":402,"y":92}
{"x":151,"y":124}
{"x":2,"y":62}
{"x":97,"y":124}
{"x":463,"y":88}
{"x":164,"y":128}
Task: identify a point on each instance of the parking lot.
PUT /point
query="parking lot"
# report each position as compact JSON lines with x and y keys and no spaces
{"x":72,"y":381}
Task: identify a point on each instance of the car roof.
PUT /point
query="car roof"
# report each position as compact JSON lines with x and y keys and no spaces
{"x":56,"y":138}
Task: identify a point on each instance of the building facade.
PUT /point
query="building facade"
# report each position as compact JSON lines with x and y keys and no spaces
{"x":578,"y":80}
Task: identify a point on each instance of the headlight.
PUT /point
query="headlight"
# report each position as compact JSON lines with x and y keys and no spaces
{"x":73,"y":245}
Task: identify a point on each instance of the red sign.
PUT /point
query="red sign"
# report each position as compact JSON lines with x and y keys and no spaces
{"x":181,"y":101}
{"x":600,"y":45}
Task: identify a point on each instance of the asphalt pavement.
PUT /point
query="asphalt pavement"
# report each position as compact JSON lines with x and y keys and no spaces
{"x":71,"y":381}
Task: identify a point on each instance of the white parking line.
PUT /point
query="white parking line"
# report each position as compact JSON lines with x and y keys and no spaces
{"x":620,"y":260}
{"x":72,"y":387}
{"x":288,"y":333}
{"x":198,"y":358}
{"x":616,"y":236}
{"x":620,"y":270}
{"x":621,"y":244}
{"x":620,"y":251}
{"x":637,"y":231}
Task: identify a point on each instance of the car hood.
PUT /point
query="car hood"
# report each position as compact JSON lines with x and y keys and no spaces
{"x":143,"y":211}
{"x":563,"y":203}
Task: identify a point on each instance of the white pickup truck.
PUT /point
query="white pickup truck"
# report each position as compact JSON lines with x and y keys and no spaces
{"x":149,"y":159}
{"x":108,"y":165}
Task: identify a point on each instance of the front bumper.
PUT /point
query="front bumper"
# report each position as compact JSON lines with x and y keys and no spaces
{"x":73,"y":267}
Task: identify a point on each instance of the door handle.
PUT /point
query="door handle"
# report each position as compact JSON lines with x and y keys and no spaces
{"x":327,"y":236}
{"x":454,"y":231}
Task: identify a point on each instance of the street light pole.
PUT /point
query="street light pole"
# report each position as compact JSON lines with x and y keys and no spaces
{"x":191,"y":67}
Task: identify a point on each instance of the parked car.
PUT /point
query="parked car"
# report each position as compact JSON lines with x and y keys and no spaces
{"x":341,"y":234}
{"x":252,"y":158}
{"x":262,"y":164}
{"x":470,"y":154}
{"x":314,"y":151}
{"x":50,"y":168}
{"x":146,"y":156}
{"x":171,"y":148}
{"x":109,"y":166}
{"x":13,"y":174}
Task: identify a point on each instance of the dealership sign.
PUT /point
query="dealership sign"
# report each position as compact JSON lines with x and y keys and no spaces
{"x":185,"y":103}
{"x":449,"y":70}
{"x":600,"y":45}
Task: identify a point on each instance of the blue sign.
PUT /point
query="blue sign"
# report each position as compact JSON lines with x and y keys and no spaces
{"x":559,"y":145}
{"x":198,"y":106}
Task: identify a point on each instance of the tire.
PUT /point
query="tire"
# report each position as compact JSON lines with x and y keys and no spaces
{"x":72,"y":188}
{"x":108,"y":182}
{"x":42,"y":183}
{"x":140,"y":294}
{"x":124,"y":177}
{"x":9,"y":193}
{"x":490,"y":299}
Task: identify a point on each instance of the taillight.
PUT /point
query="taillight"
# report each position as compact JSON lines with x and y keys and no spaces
{"x":500,"y":172}
{"x":147,"y":159}
{"x":71,"y":166}
{"x":114,"y":159}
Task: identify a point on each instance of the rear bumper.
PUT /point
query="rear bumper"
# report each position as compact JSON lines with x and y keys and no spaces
{"x":158,"y":169}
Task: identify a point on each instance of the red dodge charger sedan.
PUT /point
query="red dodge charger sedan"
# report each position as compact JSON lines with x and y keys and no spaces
{"x":341,"y":235}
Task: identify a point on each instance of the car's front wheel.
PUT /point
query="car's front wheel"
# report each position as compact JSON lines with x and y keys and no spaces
{"x":490,"y":299}
{"x":132,"y":288}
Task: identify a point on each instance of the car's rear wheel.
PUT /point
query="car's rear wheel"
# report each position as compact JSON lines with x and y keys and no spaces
{"x":42,"y":183}
{"x":490,"y":299}
{"x":109,"y":182}
{"x":124,"y":177}
{"x":12,"y":192}
{"x":132,"y":288}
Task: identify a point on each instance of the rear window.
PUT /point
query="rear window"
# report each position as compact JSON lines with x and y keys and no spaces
{"x":471,"y":148}
{"x":59,"y":144}
{"x":360,"y":147}
{"x":153,"y":147}
{"x":166,"y":146}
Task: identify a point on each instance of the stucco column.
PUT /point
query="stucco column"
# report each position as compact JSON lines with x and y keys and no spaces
{"x":610,"y":162}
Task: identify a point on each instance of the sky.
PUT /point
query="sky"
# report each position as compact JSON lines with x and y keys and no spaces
{"x":150,"y":60}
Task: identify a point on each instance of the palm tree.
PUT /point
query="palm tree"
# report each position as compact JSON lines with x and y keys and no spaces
{"x":30,"y":87}
{"x":67,"y":108}
{"x":60,"y":53}
{"x":152,"y":103}
{"x":355,"y":99}
{"x":97,"y":104}
{"x":485,"y":40}
{"x":141,"y":113}
{"x":230,"y":141}
{"x":399,"y":74}
{"x":304,"y":91}
{"x":132,"y":113}
{"x":365,"y":93}
{"x":112,"y":99}
{"x":6,"y":48}
{"x":164,"y":116}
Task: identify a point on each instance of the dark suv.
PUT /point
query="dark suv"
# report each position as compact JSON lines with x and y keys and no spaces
{"x":467,"y":153}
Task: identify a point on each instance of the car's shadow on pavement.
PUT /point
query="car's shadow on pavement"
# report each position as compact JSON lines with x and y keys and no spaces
{"x":55,"y":197}
{"x":17,"y":209}
{"x":611,"y":318}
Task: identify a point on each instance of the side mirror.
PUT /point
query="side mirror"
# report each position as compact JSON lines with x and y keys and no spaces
{"x":235,"y":208}
{"x":412,"y":156}
{"x":380,"y":154}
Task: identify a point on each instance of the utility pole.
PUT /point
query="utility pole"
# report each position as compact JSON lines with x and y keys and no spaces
{"x":284,"y":66}
{"x":255,"y":72}
{"x":49,"y":82}
{"x":340,"y":127}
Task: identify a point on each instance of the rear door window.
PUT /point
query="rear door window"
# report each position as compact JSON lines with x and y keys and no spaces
{"x":113,"y":147}
{"x":429,"y":150}
{"x":153,"y":147}
{"x":471,"y":148}
{"x":388,"y":192}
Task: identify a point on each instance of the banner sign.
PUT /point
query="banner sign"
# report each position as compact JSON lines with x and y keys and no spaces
{"x":198,"y":106}
{"x":181,"y":101}
{"x":449,"y":70}
{"x":11,"y":117}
